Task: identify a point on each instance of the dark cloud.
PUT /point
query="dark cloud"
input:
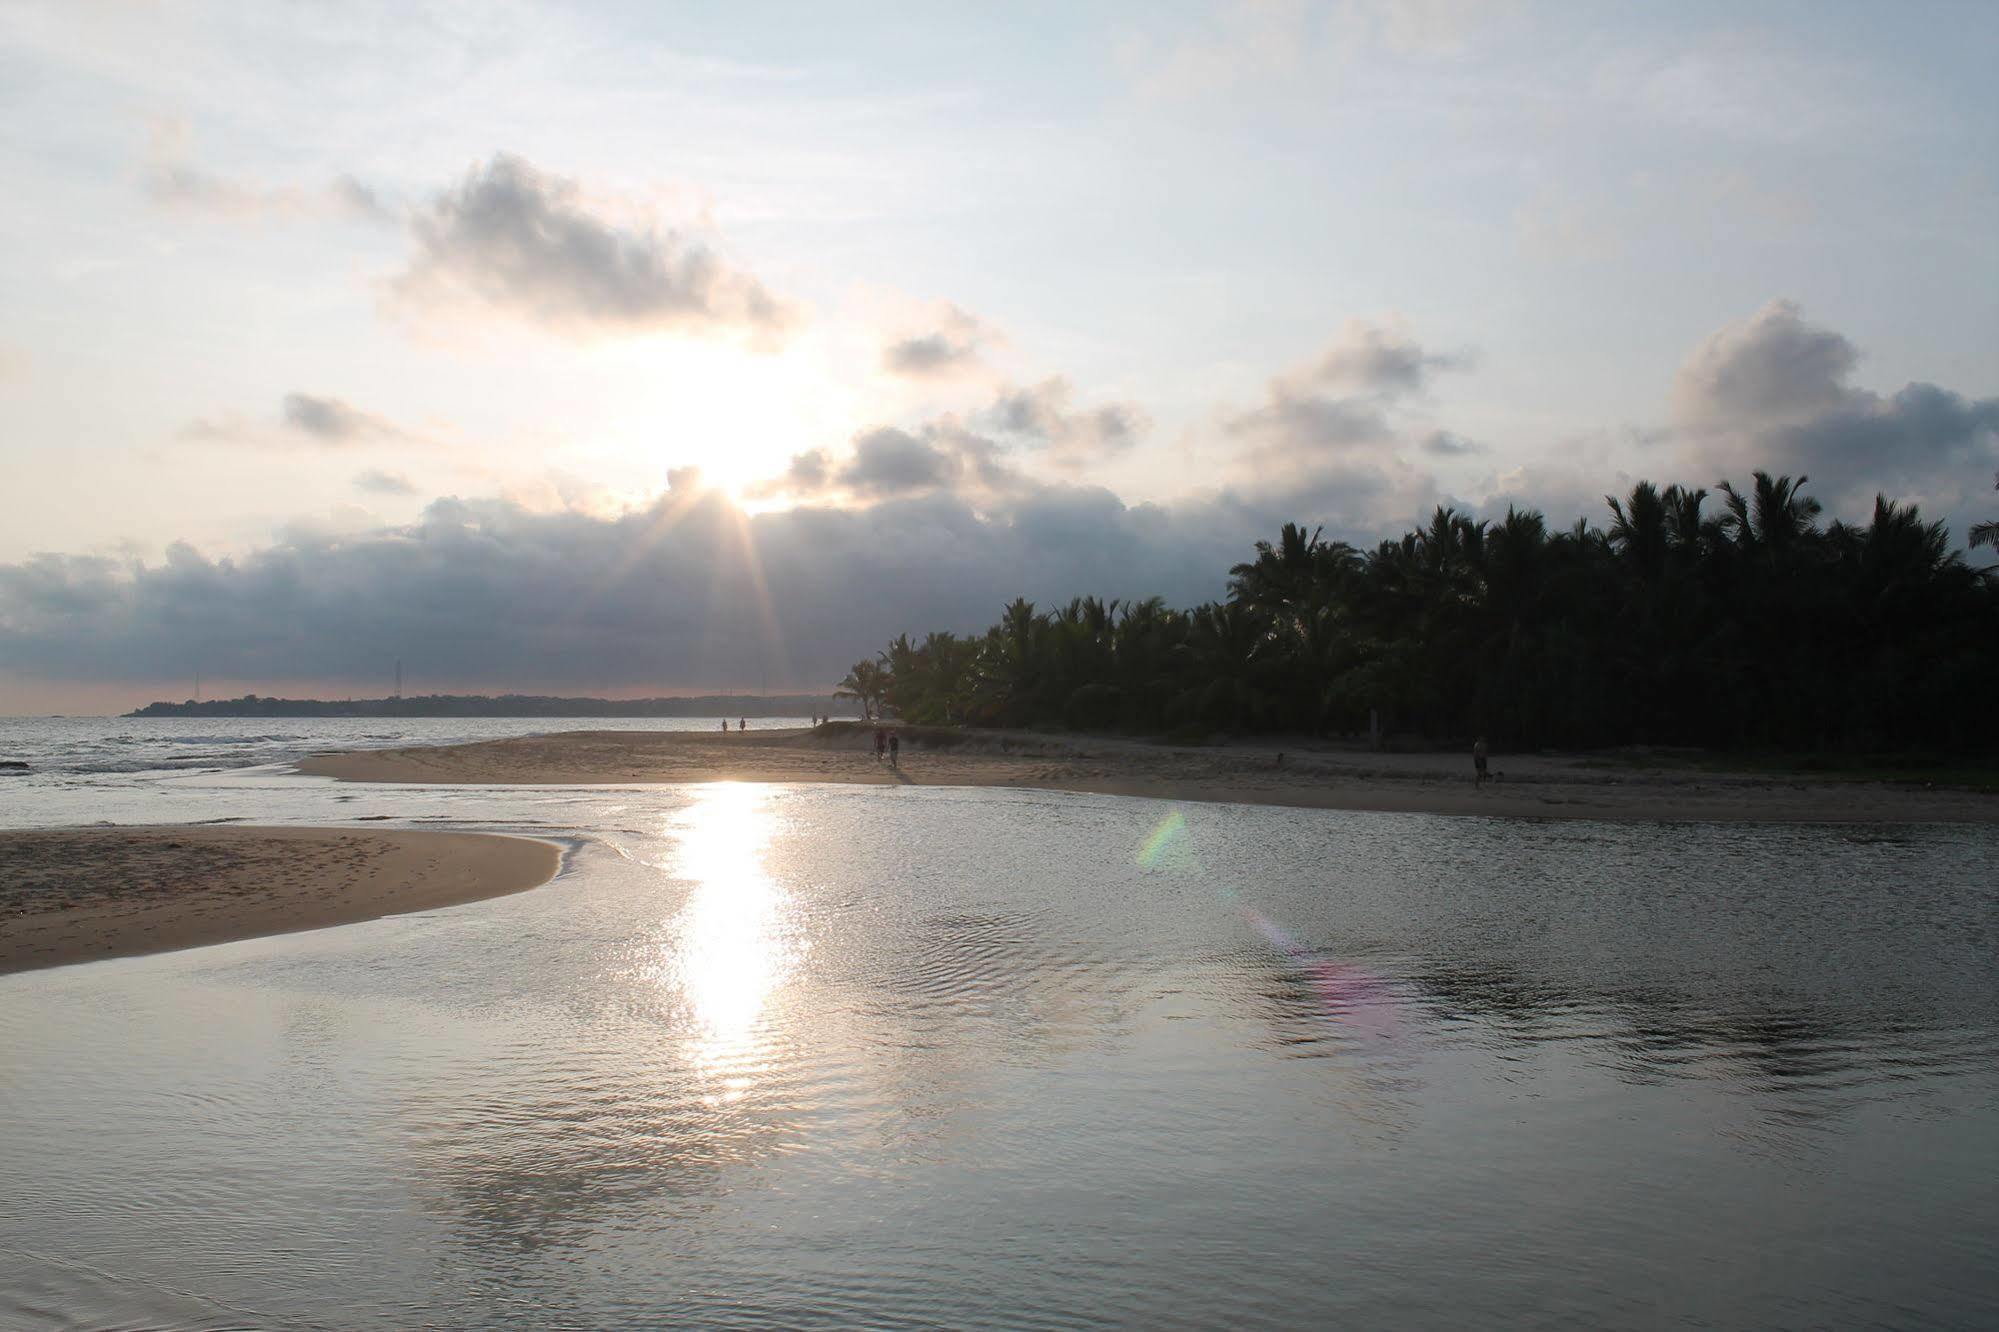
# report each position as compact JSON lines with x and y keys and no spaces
{"x":1380,"y":360}
{"x":1040,"y":417}
{"x":303,"y":418}
{"x":1772,"y":392}
{"x":1444,"y":444}
{"x":487,"y":594}
{"x":947,"y":350}
{"x":930,"y":354}
{"x":378,"y":482}
{"x":895,"y":462}
{"x":331,"y":421}
{"x":809,"y":471}
{"x":888,"y":462}
{"x":515,"y":239}
{"x":1342,"y":400}
{"x":938,"y":456}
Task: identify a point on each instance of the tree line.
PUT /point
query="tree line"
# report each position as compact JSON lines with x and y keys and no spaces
{"x":1743,"y":623}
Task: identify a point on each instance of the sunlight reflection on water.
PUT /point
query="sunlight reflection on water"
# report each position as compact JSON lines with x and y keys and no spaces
{"x":735,"y":941}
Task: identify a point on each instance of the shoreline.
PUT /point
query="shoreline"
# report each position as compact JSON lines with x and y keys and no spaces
{"x":71,"y":895}
{"x":1315,"y":777}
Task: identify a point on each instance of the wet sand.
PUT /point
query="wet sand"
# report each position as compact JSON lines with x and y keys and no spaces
{"x":80,"y":894}
{"x":1324,"y":777}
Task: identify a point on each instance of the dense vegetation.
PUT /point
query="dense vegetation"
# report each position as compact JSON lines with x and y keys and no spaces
{"x":1741,"y":624}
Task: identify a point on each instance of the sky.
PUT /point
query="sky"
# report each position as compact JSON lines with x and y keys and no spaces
{"x":645,"y":348}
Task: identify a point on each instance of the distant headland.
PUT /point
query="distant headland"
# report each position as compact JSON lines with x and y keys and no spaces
{"x":510,"y":705}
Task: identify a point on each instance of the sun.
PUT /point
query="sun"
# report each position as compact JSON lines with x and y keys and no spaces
{"x":737,"y":414}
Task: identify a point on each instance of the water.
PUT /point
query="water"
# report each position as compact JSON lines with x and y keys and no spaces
{"x":913,"y":1056}
{"x":96,"y":748}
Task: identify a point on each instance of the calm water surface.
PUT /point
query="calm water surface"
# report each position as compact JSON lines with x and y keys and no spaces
{"x":909,"y":1057}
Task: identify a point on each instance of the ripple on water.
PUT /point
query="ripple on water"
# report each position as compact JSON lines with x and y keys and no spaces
{"x":919,"y":1057}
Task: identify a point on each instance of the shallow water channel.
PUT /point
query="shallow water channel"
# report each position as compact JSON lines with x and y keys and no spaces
{"x":918,"y":1056}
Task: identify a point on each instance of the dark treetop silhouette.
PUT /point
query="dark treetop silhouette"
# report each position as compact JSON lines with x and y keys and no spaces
{"x":1751,"y":625}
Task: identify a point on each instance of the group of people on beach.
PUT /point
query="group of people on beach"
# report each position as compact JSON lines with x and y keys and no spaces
{"x":889,"y":743}
{"x":742,"y":724}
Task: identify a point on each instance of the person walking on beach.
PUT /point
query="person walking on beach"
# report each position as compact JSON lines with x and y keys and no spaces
{"x":742,"y":723}
{"x":895,"y":752}
{"x":1478,"y":762}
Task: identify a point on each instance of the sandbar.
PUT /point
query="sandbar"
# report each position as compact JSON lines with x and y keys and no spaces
{"x":81,"y":894}
{"x":1310,"y":775}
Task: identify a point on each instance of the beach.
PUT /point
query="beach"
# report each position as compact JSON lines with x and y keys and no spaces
{"x":81,"y":894}
{"x":1317,"y":777}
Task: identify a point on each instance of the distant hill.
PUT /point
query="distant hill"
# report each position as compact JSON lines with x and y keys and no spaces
{"x":510,"y":705}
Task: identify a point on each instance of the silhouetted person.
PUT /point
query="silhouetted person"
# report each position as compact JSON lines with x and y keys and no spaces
{"x":1478,"y":761}
{"x":742,"y":723}
{"x":895,"y":752}
{"x":725,"y":726}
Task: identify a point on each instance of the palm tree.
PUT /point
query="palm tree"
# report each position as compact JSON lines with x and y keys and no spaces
{"x":1219,"y":667}
{"x":867,"y":682}
{"x":1753,"y":626}
{"x":1639,"y":529}
{"x":1986,"y":534}
{"x":1776,"y":517}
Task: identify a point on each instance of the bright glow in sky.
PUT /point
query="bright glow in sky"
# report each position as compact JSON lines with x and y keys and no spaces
{"x":278,"y":278}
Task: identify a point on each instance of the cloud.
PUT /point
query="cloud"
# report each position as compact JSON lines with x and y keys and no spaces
{"x":977,"y":457}
{"x":189,"y":189}
{"x":331,"y":421}
{"x":1444,"y":444}
{"x":809,"y":472}
{"x":490,"y":595}
{"x":303,"y":418}
{"x":1772,"y":392}
{"x":513,"y":239}
{"x":686,"y":593}
{"x":951,"y":348}
{"x":887,"y":462}
{"x":1769,"y":368}
{"x":378,"y":482}
{"x":895,"y":462}
{"x":1040,"y":417}
{"x":172,"y":182}
{"x":1342,"y":399}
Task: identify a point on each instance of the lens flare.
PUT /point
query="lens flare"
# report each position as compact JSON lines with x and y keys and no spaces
{"x":1357,"y":999}
{"x":1166,"y":844}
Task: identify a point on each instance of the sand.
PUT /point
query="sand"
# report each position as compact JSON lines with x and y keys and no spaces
{"x":80,"y":894}
{"x":1316,"y":776}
